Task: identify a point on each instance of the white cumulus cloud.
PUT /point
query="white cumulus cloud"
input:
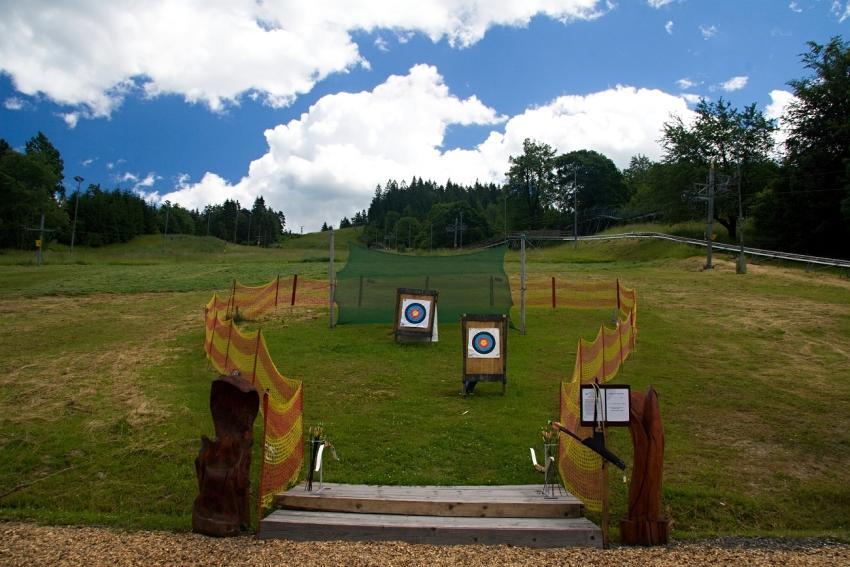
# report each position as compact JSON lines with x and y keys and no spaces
{"x":326,"y":164}
{"x":668,"y":27}
{"x":735,"y":83}
{"x":776,"y":110}
{"x":92,"y":54}
{"x":686,"y":83}
{"x":708,"y":31}
{"x":842,"y":12}
{"x":658,"y":3}
{"x":14,"y":103}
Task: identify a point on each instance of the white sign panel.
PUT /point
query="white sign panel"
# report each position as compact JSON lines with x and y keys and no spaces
{"x":611,"y":405}
{"x":484,"y":343}
{"x":414,"y":313}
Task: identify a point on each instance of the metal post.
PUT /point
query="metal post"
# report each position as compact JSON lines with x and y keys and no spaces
{"x":331,"y":279}
{"x":709,"y":228}
{"x":522,"y":285}
{"x":39,"y":258}
{"x":79,"y":180}
{"x":741,"y":266}
{"x":506,"y":215}
{"x":455,"y":243}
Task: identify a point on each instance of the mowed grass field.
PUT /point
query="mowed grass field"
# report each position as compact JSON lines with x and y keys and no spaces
{"x":104,"y":386}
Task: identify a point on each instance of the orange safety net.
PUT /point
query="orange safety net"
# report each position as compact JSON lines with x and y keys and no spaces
{"x":251,"y":302}
{"x":596,"y":361}
{"x":313,"y":292}
{"x":559,"y":292}
{"x":229,"y":349}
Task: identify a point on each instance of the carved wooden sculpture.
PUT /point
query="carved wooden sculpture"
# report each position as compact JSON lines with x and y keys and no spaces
{"x":223,"y":465}
{"x":645,"y":525}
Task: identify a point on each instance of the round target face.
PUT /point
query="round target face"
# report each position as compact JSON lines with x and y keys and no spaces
{"x":483,"y":342}
{"x":415,"y":313}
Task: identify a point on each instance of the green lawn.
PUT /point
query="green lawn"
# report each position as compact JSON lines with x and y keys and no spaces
{"x":104,"y":386}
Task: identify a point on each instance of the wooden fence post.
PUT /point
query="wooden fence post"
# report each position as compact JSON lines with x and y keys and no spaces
{"x":294,"y":287}
{"x":227,"y":350}
{"x":553,"y":292}
{"x":277,"y":290}
{"x":256,"y":355}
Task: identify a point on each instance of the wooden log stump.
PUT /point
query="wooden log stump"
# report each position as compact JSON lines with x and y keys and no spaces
{"x":645,"y":524}
{"x":223,"y":465}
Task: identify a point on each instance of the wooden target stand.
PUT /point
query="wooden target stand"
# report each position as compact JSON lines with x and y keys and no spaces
{"x":415,"y":315}
{"x":485,"y":350}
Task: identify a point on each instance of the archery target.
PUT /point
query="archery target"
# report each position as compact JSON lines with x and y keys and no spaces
{"x":415,"y":313}
{"x":483,"y":343}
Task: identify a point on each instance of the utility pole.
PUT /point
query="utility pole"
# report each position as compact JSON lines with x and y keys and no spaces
{"x":455,"y":243}
{"x":575,"y":207}
{"x":250,"y":218}
{"x":461,"y":229}
{"x":741,"y":266}
{"x":79,"y":180}
{"x":208,"y":221}
{"x":709,"y":228}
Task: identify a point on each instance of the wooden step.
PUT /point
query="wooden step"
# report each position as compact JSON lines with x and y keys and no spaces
{"x":515,"y":501}
{"x":441,"y":530}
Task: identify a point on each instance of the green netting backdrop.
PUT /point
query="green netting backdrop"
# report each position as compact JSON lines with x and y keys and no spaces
{"x":467,"y":283}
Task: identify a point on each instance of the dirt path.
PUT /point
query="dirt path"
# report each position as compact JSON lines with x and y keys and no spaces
{"x":30,"y":545}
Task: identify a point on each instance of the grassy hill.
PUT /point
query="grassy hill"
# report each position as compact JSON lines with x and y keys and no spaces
{"x":104,"y":386}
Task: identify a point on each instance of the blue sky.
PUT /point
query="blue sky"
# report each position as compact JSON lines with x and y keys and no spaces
{"x":313,"y":104}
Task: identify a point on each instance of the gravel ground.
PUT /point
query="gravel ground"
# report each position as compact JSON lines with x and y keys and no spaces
{"x":30,"y":545}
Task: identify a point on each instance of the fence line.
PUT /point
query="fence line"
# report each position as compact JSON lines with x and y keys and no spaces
{"x":229,"y":349}
{"x":597,"y":361}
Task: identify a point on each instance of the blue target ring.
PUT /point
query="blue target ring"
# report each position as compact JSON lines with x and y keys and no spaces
{"x":483,"y":342}
{"x":415,"y":313}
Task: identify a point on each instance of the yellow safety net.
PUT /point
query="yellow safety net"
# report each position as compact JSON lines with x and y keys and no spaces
{"x":229,"y":349}
{"x":599,"y":361}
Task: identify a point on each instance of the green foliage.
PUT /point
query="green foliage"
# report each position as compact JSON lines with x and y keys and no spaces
{"x":737,"y":142}
{"x":531,"y":180}
{"x":808,"y":210}
{"x":28,"y":188}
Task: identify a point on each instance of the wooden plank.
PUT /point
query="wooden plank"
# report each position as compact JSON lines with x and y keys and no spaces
{"x":522,"y":501}
{"x":533,"y":532}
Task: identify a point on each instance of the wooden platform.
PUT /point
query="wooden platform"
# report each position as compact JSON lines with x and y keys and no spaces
{"x":514,"y":515}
